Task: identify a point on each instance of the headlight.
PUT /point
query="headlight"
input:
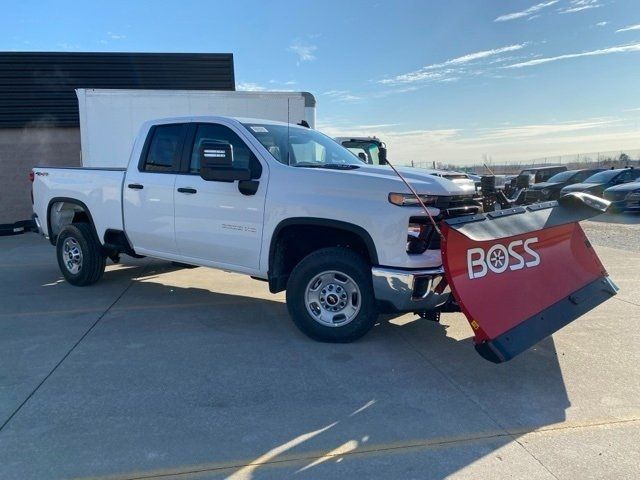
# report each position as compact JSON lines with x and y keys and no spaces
{"x":633,"y":196}
{"x":409,"y":200}
{"x":419,"y":235}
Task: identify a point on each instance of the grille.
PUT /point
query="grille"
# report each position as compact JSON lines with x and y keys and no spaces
{"x":450,"y":207}
{"x":457,"y":206}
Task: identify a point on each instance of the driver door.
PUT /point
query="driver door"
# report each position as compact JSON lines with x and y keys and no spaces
{"x":215,"y":222}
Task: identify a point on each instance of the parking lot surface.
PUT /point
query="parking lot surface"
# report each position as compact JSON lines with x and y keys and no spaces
{"x":163,"y":372}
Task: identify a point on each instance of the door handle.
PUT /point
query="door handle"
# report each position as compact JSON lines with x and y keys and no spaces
{"x":135,"y":186}
{"x":187,"y":190}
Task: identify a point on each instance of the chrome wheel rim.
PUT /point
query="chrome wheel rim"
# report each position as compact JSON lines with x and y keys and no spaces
{"x":333,"y":298}
{"x":72,"y":255}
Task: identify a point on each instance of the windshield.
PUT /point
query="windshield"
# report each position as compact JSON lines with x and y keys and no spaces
{"x":561,"y":177}
{"x":302,"y":147}
{"x":602,"y":177}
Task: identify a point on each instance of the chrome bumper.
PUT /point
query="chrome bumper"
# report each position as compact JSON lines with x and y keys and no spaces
{"x":407,"y":290}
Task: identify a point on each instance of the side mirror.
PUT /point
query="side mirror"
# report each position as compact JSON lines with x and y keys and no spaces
{"x":382,"y":155}
{"x":216,"y":163}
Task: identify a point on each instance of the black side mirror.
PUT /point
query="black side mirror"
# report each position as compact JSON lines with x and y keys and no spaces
{"x":382,"y":155}
{"x":216,"y":163}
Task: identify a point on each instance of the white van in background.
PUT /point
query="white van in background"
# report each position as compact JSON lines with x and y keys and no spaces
{"x":111,"y":119}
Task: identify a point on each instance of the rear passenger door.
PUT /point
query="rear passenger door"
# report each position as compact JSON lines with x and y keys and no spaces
{"x":217,"y":222}
{"x":148,"y":192}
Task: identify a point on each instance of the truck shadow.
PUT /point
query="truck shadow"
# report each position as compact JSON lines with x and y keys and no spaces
{"x":248,"y":396}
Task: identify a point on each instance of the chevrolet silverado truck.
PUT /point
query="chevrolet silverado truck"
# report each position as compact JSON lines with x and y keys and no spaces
{"x":347,"y":241}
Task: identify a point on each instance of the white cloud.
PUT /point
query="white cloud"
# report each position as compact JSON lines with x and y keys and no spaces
{"x":341,"y":95}
{"x":632,"y":47}
{"x":449,"y":70}
{"x":601,"y":24}
{"x":116,"y":36}
{"x":629,"y":28}
{"x":304,"y":51}
{"x":525,"y":13}
{"x":538,"y":130}
{"x":580,"y":5}
{"x":502,"y":143}
{"x":250,"y":87}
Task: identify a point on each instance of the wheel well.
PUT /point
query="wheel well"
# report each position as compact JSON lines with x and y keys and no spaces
{"x":63,"y":212}
{"x":291,"y":243}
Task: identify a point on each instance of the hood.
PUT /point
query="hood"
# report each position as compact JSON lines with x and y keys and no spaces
{"x":625,"y":187}
{"x":580,"y":187}
{"x":422,"y":182}
{"x":541,"y":185}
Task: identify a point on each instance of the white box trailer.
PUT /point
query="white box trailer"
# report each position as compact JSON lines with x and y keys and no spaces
{"x":110,"y":119}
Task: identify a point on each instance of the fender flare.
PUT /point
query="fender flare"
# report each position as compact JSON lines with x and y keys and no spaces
{"x":74,"y":201}
{"x":323,"y":222}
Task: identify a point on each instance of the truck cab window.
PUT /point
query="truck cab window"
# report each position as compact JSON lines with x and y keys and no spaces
{"x":163,"y":154}
{"x":243,"y":157}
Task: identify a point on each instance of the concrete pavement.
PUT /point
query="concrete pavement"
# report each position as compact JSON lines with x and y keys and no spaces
{"x":158,"y":372}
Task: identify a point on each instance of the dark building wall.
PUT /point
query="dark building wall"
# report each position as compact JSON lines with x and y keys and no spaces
{"x":23,"y":148}
{"x":39,"y":109}
{"x":39,"y":86}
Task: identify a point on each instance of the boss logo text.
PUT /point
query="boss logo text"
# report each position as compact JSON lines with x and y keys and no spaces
{"x":500,"y":258}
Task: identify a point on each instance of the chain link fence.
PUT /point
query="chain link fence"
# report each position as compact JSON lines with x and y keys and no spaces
{"x":611,"y":159}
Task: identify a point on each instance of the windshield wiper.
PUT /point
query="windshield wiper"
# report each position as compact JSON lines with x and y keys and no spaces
{"x":329,"y":166}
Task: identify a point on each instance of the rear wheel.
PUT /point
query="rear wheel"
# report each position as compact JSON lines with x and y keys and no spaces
{"x":330,"y":296}
{"x":79,"y":253}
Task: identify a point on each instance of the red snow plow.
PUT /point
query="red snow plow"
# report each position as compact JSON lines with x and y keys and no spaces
{"x":521,"y":274}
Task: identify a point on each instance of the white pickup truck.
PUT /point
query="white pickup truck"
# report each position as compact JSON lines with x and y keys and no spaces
{"x":346,"y":240}
{"x":277,"y":202}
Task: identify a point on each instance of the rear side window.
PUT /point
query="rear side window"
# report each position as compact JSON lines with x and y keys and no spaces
{"x":165,"y":148}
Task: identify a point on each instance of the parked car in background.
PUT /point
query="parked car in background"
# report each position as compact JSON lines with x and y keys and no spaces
{"x":550,"y":190}
{"x":625,"y":197}
{"x":598,"y":183}
{"x":476,"y":179}
{"x":461,"y":179}
{"x":370,"y":150}
{"x":542,"y":174}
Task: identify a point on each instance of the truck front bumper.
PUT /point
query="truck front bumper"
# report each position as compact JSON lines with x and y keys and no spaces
{"x":408,"y":290}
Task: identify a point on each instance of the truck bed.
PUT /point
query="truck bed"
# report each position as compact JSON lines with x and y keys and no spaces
{"x":99,"y":189}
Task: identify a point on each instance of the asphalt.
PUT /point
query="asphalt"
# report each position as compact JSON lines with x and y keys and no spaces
{"x":161,"y":372}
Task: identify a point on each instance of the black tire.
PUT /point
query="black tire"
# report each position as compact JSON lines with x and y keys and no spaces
{"x":93,"y":260}
{"x":340,"y":260}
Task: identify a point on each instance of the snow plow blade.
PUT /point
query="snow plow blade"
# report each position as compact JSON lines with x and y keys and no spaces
{"x":521,"y":274}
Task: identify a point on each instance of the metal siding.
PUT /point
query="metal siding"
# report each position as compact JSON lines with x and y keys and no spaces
{"x":38,"y":88}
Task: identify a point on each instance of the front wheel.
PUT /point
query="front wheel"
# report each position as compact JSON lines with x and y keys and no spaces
{"x":330,"y":296}
{"x":80,"y":256}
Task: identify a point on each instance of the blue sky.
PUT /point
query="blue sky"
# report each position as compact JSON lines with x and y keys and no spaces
{"x":439,"y":80}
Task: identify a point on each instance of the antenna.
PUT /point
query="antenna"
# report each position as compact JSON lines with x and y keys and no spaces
{"x":288,"y":135}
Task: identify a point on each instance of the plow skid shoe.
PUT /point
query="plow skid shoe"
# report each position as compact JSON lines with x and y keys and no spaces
{"x":521,"y":274}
